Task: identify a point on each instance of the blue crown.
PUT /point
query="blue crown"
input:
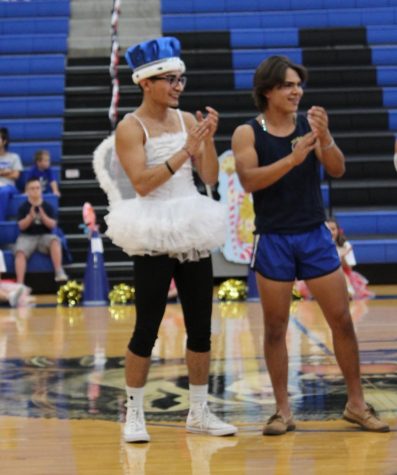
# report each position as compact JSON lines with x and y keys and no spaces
{"x":147,"y":52}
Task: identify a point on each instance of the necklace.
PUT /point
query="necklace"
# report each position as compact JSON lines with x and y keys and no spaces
{"x":263,"y":123}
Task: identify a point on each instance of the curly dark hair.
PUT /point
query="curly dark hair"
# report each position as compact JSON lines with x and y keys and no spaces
{"x":271,"y":73}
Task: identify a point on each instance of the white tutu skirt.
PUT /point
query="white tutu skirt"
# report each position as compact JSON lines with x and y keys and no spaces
{"x":175,"y":226}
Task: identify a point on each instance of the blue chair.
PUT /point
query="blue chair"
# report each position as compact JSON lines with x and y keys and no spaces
{"x":8,"y":232}
{"x":38,"y":262}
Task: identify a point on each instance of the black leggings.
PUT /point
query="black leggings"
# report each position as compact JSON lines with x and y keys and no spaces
{"x":194,"y":281}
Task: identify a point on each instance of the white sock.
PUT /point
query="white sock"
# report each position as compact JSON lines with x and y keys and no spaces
{"x":198,"y":394}
{"x":135,"y":396}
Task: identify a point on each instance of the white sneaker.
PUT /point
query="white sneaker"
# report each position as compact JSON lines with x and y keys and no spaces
{"x":61,"y":276}
{"x":14,"y":297}
{"x":135,"y":427}
{"x":201,"y":420}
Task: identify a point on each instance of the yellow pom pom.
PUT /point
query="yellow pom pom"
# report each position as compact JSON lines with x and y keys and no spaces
{"x":121,"y":294}
{"x":296,"y":295}
{"x":232,"y":289}
{"x":70,"y":294}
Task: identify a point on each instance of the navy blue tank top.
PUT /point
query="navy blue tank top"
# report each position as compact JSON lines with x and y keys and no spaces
{"x":294,"y":203}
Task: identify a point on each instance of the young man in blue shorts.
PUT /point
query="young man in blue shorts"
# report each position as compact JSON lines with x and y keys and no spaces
{"x":278,"y":155}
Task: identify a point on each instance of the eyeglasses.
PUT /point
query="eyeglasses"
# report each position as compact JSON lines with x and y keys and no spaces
{"x":171,"y":79}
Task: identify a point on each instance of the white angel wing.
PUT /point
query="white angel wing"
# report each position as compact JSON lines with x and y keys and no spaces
{"x":110,"y":174}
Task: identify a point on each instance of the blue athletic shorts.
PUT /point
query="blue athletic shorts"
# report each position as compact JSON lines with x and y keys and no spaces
{"x":286,"y":257}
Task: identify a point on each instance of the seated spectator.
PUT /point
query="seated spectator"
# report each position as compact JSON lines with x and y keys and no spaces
{"x":42,"y":171}
{"x":36,"y":221}
{"x":10,"y":168}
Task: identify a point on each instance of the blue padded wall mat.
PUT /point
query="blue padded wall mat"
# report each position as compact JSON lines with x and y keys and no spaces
{"x":203,"y":6}
{"x":25,"y":26}
{"x":367,"y":222}
{"x":281,"y":37}
{"x":390,"y":97}
{"x":40,"y":8}
{"x":32,"y":44}
{"x":375,"y":251}
{"x":393,"y":119}
{"x":36,"y":64}
{"x":35,"y":129}
{"x":32,"y":85}
{"x":384,"y":55}
{"x":261,"y":38}
{"x":37,"y":106}
{"x":299,"y":19}
{"x":386,"y":76}
{"x":247,"y":59}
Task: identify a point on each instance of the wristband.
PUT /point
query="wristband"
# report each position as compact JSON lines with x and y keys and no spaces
{"x":169,"y":167}
{"x":330,"y":145}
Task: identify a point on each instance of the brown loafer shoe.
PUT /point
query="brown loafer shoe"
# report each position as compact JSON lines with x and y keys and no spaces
{"x":367,"y":419}
{"x":278,"y":425}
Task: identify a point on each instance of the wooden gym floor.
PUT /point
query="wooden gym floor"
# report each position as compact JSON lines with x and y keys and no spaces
{"x":62,"y":397}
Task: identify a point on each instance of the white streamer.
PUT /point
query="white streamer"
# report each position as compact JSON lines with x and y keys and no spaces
{"x":114,"y":63}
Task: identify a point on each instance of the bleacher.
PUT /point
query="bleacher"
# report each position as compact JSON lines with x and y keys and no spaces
{"x":350,"y":50}
{"x":349,"y":47}
{"x":33,"y":51}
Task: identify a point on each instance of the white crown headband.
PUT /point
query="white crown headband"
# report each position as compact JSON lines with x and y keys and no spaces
{"x":160,"y":66}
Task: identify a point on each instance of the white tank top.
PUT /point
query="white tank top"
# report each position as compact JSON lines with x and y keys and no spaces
{"x":161,"y":148}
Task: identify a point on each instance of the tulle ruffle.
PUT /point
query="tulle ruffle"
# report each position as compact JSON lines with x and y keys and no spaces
{"x":185,"y":227}
{"x":358,"y":284}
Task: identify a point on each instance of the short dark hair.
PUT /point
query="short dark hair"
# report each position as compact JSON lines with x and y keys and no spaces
{"x":39,"y":155}
{"x":31,"y":180}
{"x":5,"y":136}
{"x":271,"y":73}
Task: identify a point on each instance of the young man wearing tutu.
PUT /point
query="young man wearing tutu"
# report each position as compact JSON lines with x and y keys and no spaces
{"x":278,"y":155}
{"x":169,"y":228}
